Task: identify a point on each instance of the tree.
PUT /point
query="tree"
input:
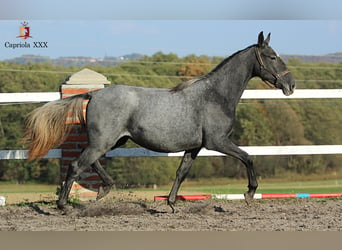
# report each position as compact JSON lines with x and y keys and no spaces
{"x":194,"y":67}
{"x":252,"y":126}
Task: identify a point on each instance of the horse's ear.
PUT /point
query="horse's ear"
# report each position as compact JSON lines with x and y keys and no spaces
{"x":267,"y":41}
{"x":261,"y":39}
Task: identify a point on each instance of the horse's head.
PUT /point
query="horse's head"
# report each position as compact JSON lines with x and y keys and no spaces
{"x":272,"y":68}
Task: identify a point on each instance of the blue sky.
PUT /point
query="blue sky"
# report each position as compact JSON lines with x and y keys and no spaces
{"x":170,"y":9}
{"x":193,"y":27}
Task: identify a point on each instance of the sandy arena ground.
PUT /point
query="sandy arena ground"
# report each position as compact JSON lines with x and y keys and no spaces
{"x":131,"y":212}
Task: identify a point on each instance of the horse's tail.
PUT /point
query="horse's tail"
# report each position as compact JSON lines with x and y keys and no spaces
{"x":49,"y":125}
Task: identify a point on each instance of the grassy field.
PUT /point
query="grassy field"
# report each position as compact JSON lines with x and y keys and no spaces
{"x":275,"y":187}
{"x":6,"y":188}
{"x":17,"y":193}
{"x":210,"y":187}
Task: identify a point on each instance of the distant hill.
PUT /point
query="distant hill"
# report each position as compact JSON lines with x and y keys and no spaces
{"x":112,"y":61}
{"x":329,"y":58}
{"x":75,"y":60}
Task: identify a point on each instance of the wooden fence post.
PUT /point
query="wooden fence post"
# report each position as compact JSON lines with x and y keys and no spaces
{"x":80,"y":82}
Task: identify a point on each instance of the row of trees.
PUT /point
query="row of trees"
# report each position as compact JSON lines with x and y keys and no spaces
{"x":259,"y":122}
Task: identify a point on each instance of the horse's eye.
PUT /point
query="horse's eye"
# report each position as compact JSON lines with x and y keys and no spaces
{"x":273,"y":57}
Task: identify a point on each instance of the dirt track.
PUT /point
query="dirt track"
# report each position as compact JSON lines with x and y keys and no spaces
{"x":136,"y":214}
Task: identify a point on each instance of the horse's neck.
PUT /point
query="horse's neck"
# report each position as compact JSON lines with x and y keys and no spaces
{"x":230,"y":80}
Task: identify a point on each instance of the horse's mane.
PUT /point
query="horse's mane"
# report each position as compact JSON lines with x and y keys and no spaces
{"x":185,"y":84}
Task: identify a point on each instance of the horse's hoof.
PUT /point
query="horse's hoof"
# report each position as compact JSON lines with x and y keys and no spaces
{"x":171,"y":205}
{"x":248,"y":198}
{"x":103,"y":191}
{"x":60,"y":206}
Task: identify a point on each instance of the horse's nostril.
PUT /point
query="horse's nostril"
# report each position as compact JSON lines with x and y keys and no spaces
{"x":293,"y":85}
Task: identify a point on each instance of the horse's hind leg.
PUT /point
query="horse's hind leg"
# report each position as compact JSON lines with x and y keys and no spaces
{"x":182,"y":171}
{"x":73,"y":172}
{"x":87,"y":157}
{"x":107,"y":180}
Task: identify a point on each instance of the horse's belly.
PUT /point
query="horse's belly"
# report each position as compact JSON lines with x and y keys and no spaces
{"x":165,"y":122}
{"x":167,"y":140}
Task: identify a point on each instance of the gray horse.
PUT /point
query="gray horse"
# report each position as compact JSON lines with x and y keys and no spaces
{"x":195,"y":114}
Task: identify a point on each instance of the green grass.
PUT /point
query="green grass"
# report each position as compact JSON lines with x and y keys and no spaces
{"x":265,"y":186}
{"x":26,"y":188}
{"x":215,"y":186}
{"x":270,"y":186}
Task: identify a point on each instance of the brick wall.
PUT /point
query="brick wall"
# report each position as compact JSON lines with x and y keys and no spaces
{"x":86,"y":187}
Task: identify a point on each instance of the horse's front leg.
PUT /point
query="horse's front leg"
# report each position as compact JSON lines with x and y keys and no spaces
{"x":182,"y":171}
{"x":229,"y":148}
{"x":252,"y":181}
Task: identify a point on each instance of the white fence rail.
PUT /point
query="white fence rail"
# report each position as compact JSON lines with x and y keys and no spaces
{"x":13,"y":98}
{"x":29,"y":97}
{"x":142,"y":152}
{"x":34,"y":97}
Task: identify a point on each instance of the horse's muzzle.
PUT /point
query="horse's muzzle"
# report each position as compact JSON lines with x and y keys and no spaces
{"x":288,"y":89}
